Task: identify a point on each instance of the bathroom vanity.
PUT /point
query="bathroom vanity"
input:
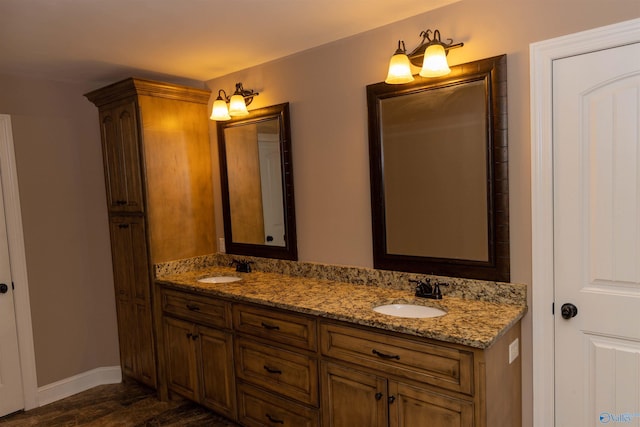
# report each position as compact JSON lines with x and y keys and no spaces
{"x":279,"y":350}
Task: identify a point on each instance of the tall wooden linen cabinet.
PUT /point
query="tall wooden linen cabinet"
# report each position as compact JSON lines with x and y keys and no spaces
{"x":157,"y":166}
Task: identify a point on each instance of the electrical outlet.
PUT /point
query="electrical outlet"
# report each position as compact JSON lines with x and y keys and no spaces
{"x":221,"y":247}
{"x":514,"y":350}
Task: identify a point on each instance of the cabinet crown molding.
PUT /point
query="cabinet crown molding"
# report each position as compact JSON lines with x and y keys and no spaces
{"x":141,"y":87}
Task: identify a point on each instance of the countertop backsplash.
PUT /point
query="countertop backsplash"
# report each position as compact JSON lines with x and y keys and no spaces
{"x":498,"y":292}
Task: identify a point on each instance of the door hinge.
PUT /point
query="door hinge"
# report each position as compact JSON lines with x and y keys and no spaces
{"x":13,"y":286}
{"x":553,"y":308}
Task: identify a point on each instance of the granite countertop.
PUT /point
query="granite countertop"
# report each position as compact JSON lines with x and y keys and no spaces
{"x":468,"y":322}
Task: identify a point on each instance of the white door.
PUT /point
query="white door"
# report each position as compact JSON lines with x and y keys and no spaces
{"x":11,"y":395}
{"x":271,"y":183}
{"x":596,"y":226}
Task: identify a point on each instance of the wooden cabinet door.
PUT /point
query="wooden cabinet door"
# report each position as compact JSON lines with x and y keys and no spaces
{"x":132,"y":288}
{"x":145,"y":356}
{"x":126,"y":337}
{"x":121,"y":155}
{"x":411,"y":406}
{"x":353,"y":398}
{"x":180,"y":357}
{"x":130,"y":259}
{"x":217,"y":379}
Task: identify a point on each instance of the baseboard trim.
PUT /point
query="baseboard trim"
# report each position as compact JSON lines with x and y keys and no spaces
{"x":78,"y":383}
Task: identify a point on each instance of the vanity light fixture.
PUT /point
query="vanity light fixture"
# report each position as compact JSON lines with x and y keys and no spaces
{"x":238,"y":103}
{"x":431,"y":55}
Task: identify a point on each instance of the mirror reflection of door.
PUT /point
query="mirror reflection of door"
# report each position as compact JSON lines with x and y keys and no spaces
{"x":256,"y":180}
{"x":255,"y":183}
{"x":271,"y":185}
{"x":243,"y":173}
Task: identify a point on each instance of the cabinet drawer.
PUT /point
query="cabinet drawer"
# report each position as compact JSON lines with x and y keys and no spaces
{"x":258,"y":408}
{"x":444,"y":367}
{"x":286,"y":328}
{"x":291,"y":374}
{"x":201,"y":309}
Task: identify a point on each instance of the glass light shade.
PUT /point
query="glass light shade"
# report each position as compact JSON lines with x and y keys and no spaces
{"x":435,"y":62}
{"x":220,"y":111}
{"x":399,"y":70}
{"x":237,"y":107}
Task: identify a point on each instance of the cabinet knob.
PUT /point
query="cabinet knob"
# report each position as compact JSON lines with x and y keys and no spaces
{"x":378,"y":396}
{"x":392,"y":399}
{"x":3,"y":288}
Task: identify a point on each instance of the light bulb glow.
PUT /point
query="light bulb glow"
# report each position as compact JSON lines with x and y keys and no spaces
{"x":220,"y":111}
{"x":237,"y":107}
{"x":435,"y":62}
{"x":399,"y":70}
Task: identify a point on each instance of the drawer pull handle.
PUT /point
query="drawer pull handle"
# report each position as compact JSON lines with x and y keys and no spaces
{"x":275,"y":420}
{"x":272,"y":370}
{"x":385,"y":356}
{"x":193,"y":307}
{"x":270,"y":327}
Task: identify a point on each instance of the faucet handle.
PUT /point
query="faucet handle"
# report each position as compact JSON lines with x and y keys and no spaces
{"x":437,"y":293}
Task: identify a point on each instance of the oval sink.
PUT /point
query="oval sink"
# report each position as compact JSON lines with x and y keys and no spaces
{"x":219,"y":279}
{"x":409,"y":310}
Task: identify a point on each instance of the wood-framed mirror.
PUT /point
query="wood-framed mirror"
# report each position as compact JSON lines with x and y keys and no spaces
{"x":256,"y":176}
{"x":439,"y":173}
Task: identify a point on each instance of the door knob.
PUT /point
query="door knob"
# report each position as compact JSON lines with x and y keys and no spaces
{"x":3,"y":288}
{"x":568,"y":310}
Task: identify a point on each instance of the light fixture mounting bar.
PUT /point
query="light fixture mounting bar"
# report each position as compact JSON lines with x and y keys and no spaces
{"x":247,"y":94}
{"x":416,"y":56}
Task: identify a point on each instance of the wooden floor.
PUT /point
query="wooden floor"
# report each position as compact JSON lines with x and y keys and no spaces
{"x":114,"y":405}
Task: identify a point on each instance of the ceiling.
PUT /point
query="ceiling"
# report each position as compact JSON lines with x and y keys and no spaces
{"x":96,"y":41}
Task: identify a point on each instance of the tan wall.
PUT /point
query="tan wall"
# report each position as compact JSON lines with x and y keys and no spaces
{"x":326,"y":89}
{"x":62,"y":192}
{"x":64,"y":214}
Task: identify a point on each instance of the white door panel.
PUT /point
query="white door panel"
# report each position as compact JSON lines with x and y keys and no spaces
{"x":596,"y":121}
{"x":11,"y":396}
{"x":271,"y":184}
{"x":615,"y":365}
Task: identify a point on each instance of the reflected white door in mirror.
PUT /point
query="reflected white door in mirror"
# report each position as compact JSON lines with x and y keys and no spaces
{"x":257,"y":184}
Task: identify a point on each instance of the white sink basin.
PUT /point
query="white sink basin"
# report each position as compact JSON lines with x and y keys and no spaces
{"x":409,"y":310}
{"x":219,"y":279}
